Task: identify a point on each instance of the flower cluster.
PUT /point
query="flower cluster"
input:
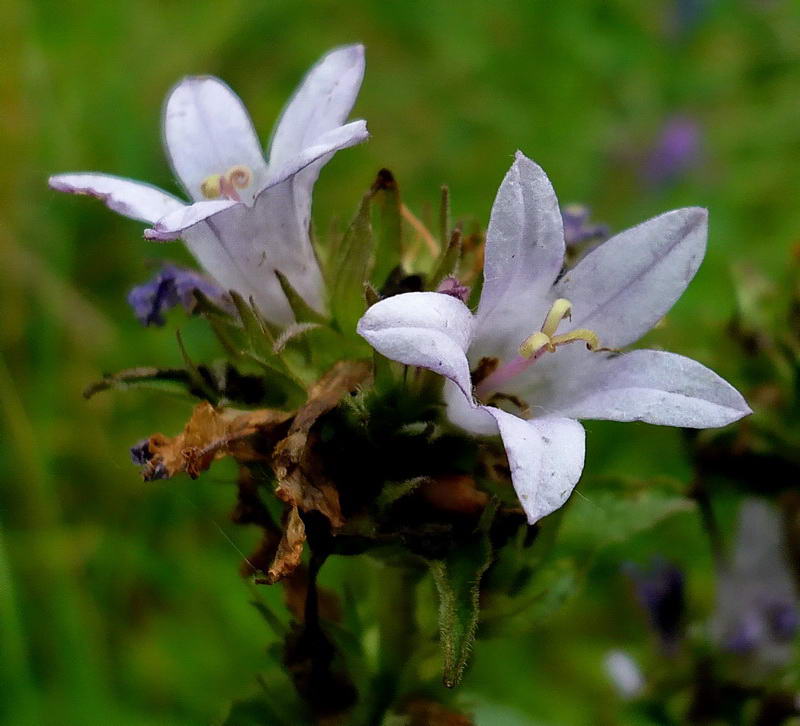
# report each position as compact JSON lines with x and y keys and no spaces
{"x":542,"y":350}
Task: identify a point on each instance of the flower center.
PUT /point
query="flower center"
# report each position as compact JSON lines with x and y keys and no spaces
{"x":536,"y":345}
{"x":226,"y":185}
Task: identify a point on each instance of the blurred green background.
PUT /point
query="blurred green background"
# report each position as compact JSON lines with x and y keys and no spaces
{"x":120,"y":602}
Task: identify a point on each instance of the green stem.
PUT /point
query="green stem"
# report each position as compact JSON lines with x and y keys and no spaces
{"x":397,"y":629}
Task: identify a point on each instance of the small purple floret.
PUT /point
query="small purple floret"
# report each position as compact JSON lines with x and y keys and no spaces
{"x":577,"y":228}
{"x":170,"y":287}
{"x":451,"y":286}
{"x":676,"y":151}
{"x":660,"y":590}
{"x":140,"y":453}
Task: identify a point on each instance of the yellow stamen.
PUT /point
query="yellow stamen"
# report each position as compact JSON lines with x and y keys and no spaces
{"x":560,"y":309}
{"x":534,"y":343}
{"x":211,"y":186}
{"x":587,"y":336}
{"x":240,"y":176}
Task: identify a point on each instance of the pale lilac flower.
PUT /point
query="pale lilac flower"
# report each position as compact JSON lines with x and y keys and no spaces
{"x":248,"y":217}
{"x":614,"y":295}
{"x":172,"y":286}
{"x":757,"y":605}
{"x":624,"y":673}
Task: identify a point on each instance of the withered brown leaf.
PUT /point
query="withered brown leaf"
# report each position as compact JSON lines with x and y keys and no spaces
{"x":290,"y":548}
{"x":210,"y":434}
{"x":301,"y":480}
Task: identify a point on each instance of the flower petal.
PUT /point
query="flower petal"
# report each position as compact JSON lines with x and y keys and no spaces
{"x":172,"y":226}
{"x":463,"y":412}
{"x":651,"y":386}
{"x":207,"y":130}
{"x":325,"y":145}
{"x":524,"y":254}
{"x":546,"y":459}
{"x":131,"y":198}
{"x":321,"y":103}
{"x":625,"y":286}
{"x":425,"y":329}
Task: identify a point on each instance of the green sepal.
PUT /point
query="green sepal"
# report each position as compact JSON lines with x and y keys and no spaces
{"x":444,"y":216}
{"x":388,"y":226}
{"x":303,"y":312}
{"x":351,"y":270}
{"x":195,"y":376}
{"x":448,"y":261}
{"x":458,"y":578}
{"x":259,"y":336}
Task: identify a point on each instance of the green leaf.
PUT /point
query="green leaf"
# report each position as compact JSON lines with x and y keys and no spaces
{"x":598,"y":517}
{"x":388,"y":226}
{"x":303,"y":312}
{"x":351,"y":270}
{"x":195,"y":376}
{"x":458,"y":579}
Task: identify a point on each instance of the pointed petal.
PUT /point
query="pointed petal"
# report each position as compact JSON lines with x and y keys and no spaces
{"x":325,"y":145}
{"x":172,"y":226}
{"x":207,"y":130}
{"x":524,"y":254}
{"x":425,"y":329}
{"x":626,"y":285}
{"x":546,"y":459}
{"x":321,"y":103}
{"x":651,"y":386}
{"x":130,"y":198}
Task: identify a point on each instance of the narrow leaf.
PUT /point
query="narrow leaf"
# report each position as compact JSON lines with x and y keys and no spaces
{"x":448,"y":261}
{"x":388,"y":226}
{"x":303,"y":312}
{"x":458,"y":578}
{"x":444,"y":216}
{"x":168,"y":379}
{"x":351,"y":270}
{"x":196,"y":377}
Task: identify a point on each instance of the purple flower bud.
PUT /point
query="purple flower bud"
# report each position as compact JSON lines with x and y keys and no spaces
{"x":577,"y":228}
{"x":746,"y":636}
{"x":676,"y":151}
{"x":451,"y":286}
{"x":170,"y":287}
{"x":783,"y":619}
{"x":660,"y":591}
{"x":140,"y":452}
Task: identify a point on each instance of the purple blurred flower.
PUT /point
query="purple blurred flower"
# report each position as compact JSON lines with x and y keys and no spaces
{"x":685,"y":15}
{"x":676,"y":151}
{"x":660,"y":590}
{"x":577,"y":227}
{"x":757,"y":607}
{"x":170,"y":287}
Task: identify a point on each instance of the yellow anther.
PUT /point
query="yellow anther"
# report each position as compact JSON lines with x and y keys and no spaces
{"x":587,"y":336}
{"x":211,"y":186}
{"x":534,"y":343}
{"x":560,"y":309}
{"x":240,"y":176}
